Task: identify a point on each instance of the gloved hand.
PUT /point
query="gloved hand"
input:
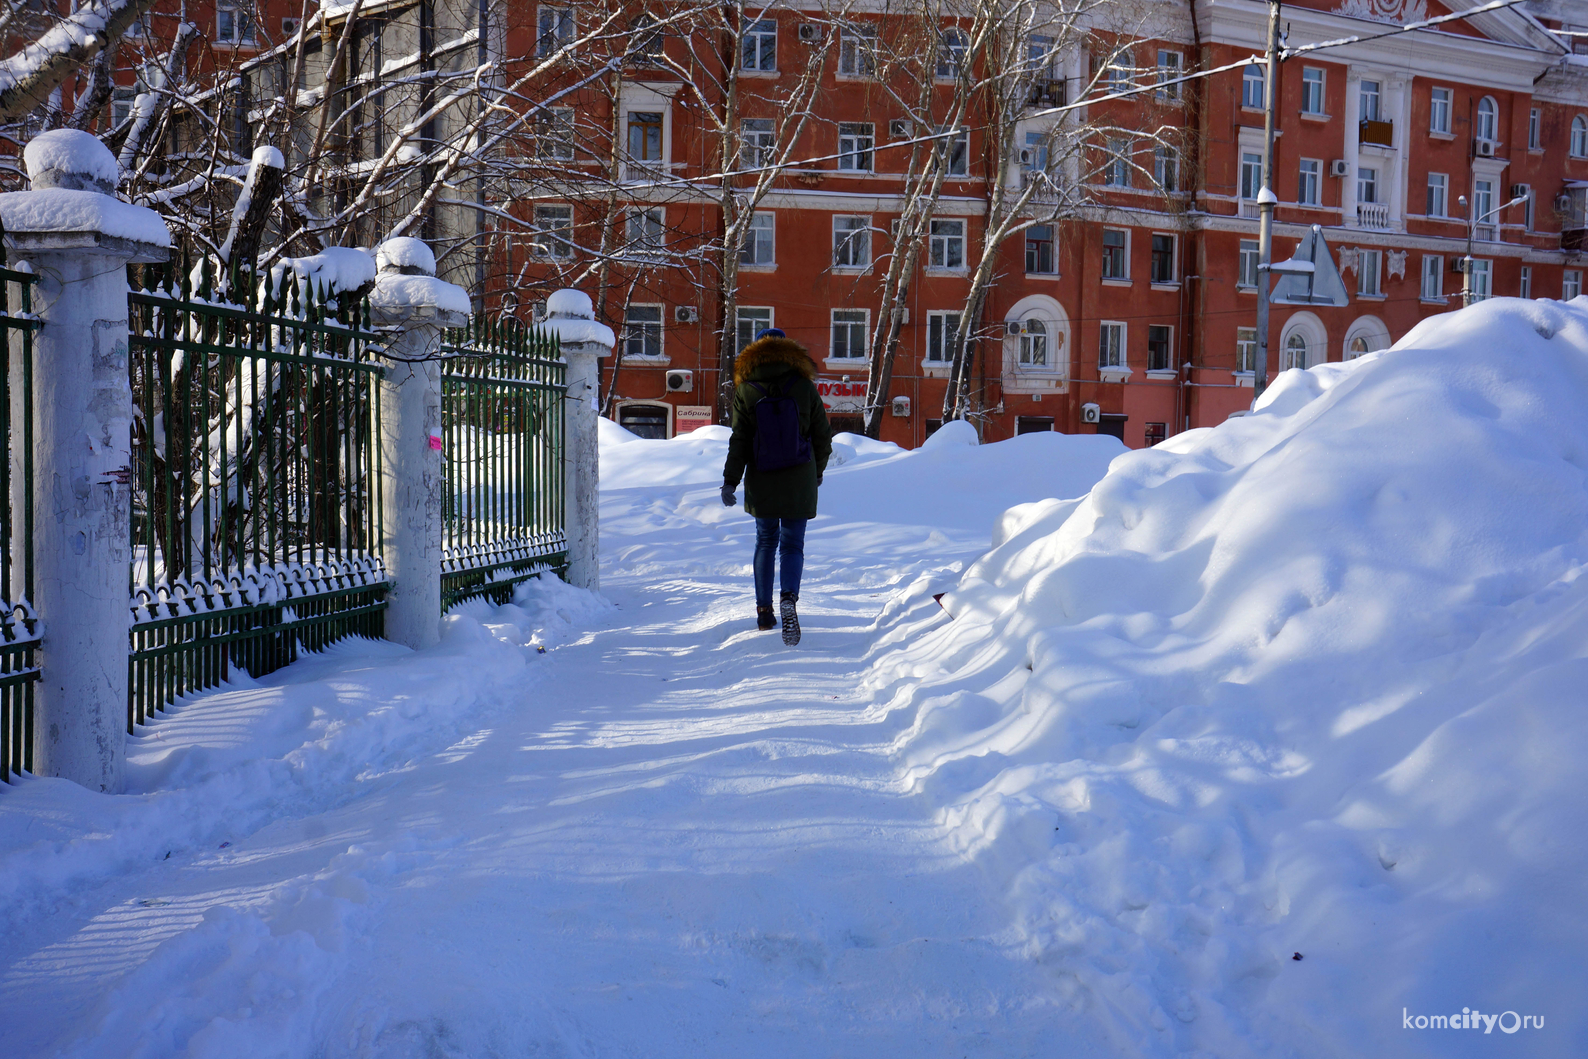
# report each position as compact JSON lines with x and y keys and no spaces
{"x":727,"y":495}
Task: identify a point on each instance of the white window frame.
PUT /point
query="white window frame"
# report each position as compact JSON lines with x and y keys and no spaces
{"x":1288,"y":352}
{"x":1433,"y":281}
{"x":1113,"y":350}
{"x":1171,"y":65}
{"x":752,"y":54}
{"x":242,"y":30}
{"x":645,"y":333}
{"x":1367,"y":184}
{"x":1369,"y":273}
{"x":760,"y":240}
{"x":947,"y":245}
{"x":742,"y":317}
{"x":555,"y":27}
{"x":958,"y":148}
{"x":1438,"y":198}
{"x":857,"y":147}
{"x":1486,"y":122}
{"x":1526,"y":288}
{"x":1245,"y":350}
{"x":941,"y":326}
{"x":1309,"y":182}
{"x":554,"y":225}
{"x":1370,"y":100}
{"x":1579,"y":137}
{"x":556,"y":129}
{"x":1570,"y":284}
{"x":1313,"y":87}
{"x":1248,"y":257}
{"x":1251,"y":163}
{"x":1440,"y":101}
{"x":1035,"y":344}
{"x":1535,"y":129}
{"x":1253,"y":79}
{"x":757,"y":142}
{"x":1166,"y":168}
{"x":645,"y":232}
{"x":857,"y":55}
{"x":952,"y":48}
{"x":1482,"y":284}
{"x":1116,"y":171}
{"x":865,"y":335}
{"x":851,"y":242}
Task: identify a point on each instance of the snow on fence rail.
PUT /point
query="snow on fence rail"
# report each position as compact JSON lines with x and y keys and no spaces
{"x":502,"y":389}
{"x":19,"y":627}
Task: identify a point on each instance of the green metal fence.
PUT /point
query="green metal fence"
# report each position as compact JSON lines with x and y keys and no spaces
{"x":256,"y":511}
{"x":19,"y":628}
{"x":502,"y":388}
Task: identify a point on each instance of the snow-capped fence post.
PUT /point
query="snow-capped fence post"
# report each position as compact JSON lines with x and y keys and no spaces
{"x":571,"y":316}
{"x":409,"y":301}
{"x":77,"y":237}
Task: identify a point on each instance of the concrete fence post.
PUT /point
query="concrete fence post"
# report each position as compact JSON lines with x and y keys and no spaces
{"x":78,"y":239}
{"x":571,"y":316}
{"x":414,"y":306}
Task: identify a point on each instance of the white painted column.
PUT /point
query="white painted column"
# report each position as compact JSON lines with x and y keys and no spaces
{"x":78,"y":238}
{"x":571,"y":316}
{"x":1398,"y":105}
{"x":414,"y":306}
{"x":1352,"y":147}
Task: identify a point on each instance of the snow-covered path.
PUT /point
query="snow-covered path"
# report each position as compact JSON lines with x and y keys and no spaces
{"x":669,"y":836}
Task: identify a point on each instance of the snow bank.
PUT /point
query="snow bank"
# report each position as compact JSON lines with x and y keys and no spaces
{"x":395,"y":290}
{"x":1310,"y":681}
{"x":73,"y":159}
{"x":65,"y":210}
{"x":335,"y":270}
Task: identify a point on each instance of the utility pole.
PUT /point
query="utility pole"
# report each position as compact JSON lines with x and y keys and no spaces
{"x":1467,"y":293}
{"x":1266,"y":201}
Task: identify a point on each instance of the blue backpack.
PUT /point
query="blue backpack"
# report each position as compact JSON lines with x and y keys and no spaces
{"x":778,"y":441}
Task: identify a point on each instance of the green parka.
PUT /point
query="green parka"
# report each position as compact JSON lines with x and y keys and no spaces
{"x":781,"y":365}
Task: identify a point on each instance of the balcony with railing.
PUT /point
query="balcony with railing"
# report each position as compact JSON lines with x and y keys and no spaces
{"x":1377,"y":133}
{"x":1373,"y":215}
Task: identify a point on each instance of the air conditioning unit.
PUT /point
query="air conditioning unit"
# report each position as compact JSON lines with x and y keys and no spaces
{"x":901,"y":407}
{"x":1027,"y":156}
{"x":1458,"y":265}
{"x":1519,"y":191}
{"x":901,"y":128}
{"x":289,"y":26}
{"x":686,"y":314}
{"x":1014,"y":327}
{"x":1339,"y":168}
{"x":680,"y":382}
{"x":1562,"y":202}
{"x":810,"y":33}
{"x":1091,"y":413}
{"x":1484,"y":148}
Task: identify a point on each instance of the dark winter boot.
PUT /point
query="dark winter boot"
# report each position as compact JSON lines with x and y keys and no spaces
{"x":765,"y":619}
{"x":791,"y":619}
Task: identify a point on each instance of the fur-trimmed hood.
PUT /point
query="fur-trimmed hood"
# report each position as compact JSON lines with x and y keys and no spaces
{"x":771,"y":350}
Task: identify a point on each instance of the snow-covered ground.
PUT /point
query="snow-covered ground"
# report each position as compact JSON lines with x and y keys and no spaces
{"x":1309,"y":683}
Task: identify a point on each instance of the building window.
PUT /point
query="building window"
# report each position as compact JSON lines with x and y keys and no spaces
{"x":1526,"y":290}
{"x":1367,"y":272}
{"x":1114,"y":261}
{"x":1483,"y":222}
{"x":1252,"y":87}
{"x":1488,"y":122}
{"x":1169,"y":64}
{"x":1246,"y":275}
{"x":1166,"y":169}
{"x":1311,"y":90}
{"x":849,"y":333}
{"x":1369,"y":95}
{"x":1160,"y":339}
{"x":1482,"y":275}
{"x":948,"y":244}
{"x":642,"y":331}
{"x":1116,"y":171}
{"x":1433,"y":278}
{"x":1111,"y":345}
{"x":1570,"y":284}
{"x":1439,"y":110}
{"x":760,"y":46}
{"x":121,"y":100}
{"x":556,"y":29}
{"x":645,"y":139}
{"x":1534,"y":130}
{"x":1161,"y":265}
{"x":752,"y":320}
{"x":851,"y":242}
{"x":1040,"y":259}
{"x":857,"y":51}
{"x":645,"y":233}
{"x":940,"y":331}
{"x":1366,"y":184}
{"x":1308,"y":181}
{"x":1251,"y":174}
{"x":951,"y":55}
{"x":1034,"y":159}
{"x":1156,"y":432}
{"x":757,"y":142}
{"x":1579,"y":137}
{"x":1034,"y":344}
{"x":1246,"y":349}
{"x":856,"y":140}
{"x":759,"y":240}
{"x":553,"y":231}
{"x":1115,"y":75}
{"x":233,"y":24}
{"x":1526,"y":193}
{"x":1438,"y":195}
{"x":554,"y":127}
{"x":646,"y":40}
{"x":958,"y":148}
{"x":1295,"y":352}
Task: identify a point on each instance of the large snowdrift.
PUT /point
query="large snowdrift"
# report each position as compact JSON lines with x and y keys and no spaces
{"x":1312,"y":681}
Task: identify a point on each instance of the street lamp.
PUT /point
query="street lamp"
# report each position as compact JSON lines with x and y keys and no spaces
{"x":1472,"y":227}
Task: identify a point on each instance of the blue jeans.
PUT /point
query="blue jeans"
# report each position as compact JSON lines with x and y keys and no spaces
{"x":773,"y":535}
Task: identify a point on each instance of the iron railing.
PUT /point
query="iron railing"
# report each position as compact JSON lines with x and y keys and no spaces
{"x":256,"y":507}
{"x":502,"y":388}
{"x":19,"y":628}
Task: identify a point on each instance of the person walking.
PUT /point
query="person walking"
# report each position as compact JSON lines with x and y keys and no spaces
{"x":780,"y":444}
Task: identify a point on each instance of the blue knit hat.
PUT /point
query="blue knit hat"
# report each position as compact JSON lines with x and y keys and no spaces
{"x":770,"y":332}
